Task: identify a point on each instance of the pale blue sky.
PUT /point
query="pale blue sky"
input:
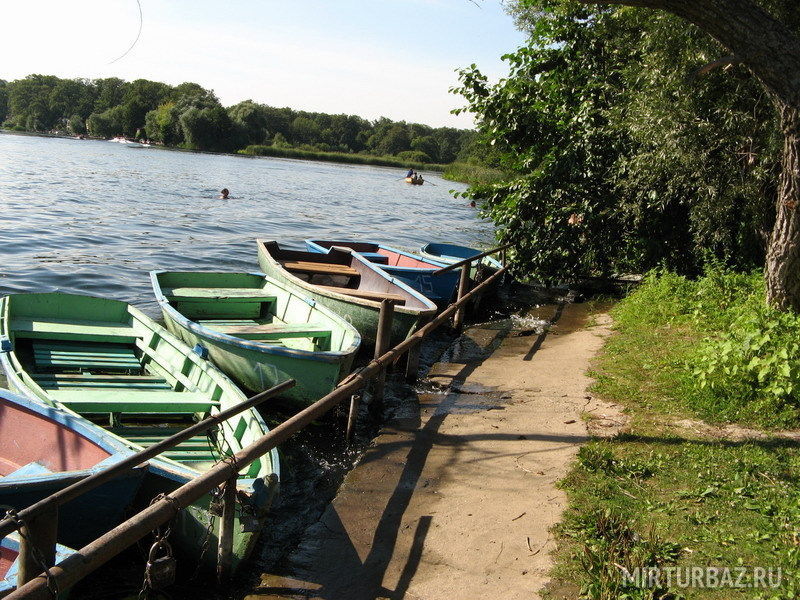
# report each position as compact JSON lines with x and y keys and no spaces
{"x":393,"y":58}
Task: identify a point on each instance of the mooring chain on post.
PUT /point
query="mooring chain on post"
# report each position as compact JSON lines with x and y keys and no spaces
{"x":52,"y":586}
{"x":206,"y":543}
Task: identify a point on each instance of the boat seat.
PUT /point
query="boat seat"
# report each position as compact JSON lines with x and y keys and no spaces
{"x":139,"y":402}
{"x":195,"y":449}
{"x":302,"y":266}
{"x":59,"y":355}
{"x":273,"y":332}
{"x":32,"y":469}
{"x":366,"y":294}
{"x":375,"y":257}
{"x":184,"y":294}
{"x":61,"y":329}
{"x":90,"y":380}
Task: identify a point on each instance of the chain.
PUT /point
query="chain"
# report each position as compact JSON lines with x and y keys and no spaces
{"x":204,"y":546}
{"x":52,"y":586}
{"x":159,"y":537}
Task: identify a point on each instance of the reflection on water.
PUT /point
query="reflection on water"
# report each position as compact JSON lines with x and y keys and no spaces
{"x":94,"y":217}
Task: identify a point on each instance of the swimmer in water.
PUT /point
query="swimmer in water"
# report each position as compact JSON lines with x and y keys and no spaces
{"x":223,"y":194}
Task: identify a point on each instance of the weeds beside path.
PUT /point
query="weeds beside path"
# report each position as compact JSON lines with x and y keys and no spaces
{"x":680,"y":488}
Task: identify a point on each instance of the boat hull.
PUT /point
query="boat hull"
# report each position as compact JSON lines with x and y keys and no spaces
{"x":452,"y":253}
{"x":363,"y":315}
{"x":439,"y":288}
{"x":258,"y":366}
{"x":256,"y":371}
{"x":45,"y":450}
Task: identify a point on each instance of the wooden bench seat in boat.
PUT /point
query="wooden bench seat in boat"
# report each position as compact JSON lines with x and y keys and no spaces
{"x":230,"y":294}
{"x":58,"y":329}
{"x":139,"y":401}
{"x":196,"y":449}
{"x":302,"y":266}
{"x":59,"y":355}
{"x":367,"y":295}
{"x":376,"y":257}
{"x":90,"y":380}
{"x":271,"y":332}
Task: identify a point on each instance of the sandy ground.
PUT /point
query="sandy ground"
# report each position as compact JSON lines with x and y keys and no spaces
{"x":460,"y":504}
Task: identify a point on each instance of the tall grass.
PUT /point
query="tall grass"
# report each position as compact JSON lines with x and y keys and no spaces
{"x":473,"y":174}
{"x":339,"y":157}
{"x":714,"y":346}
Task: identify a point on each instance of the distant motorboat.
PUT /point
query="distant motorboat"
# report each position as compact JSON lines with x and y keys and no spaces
{"x":129,"y":143}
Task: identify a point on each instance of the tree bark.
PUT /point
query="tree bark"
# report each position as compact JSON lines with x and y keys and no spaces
{"x":783,"y":254}
{"x":772,"y":53}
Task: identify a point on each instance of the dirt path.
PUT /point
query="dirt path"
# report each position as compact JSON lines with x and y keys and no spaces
{"x":459,"y":505}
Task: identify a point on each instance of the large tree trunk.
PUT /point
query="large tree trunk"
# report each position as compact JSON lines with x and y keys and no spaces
{"x":783,"y":254}
{"x":772,"y":53}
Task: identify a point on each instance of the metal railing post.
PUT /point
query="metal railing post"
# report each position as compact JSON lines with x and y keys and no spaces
{"x":463,"y":288}
{"x":37,"y":547}
{"x":225,"y":543}
{"x":355,"y":399}
{"x":382,"y":341}
{"x":412,"y":362}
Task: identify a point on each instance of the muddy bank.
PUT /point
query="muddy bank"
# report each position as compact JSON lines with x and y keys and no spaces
{"x":457,"y":500}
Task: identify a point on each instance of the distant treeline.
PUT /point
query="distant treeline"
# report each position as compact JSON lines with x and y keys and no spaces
{"x":190,"y":116}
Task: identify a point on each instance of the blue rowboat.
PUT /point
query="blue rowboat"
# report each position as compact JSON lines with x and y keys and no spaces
{"x":412,"y":269}
{"x":45,"y":449}
{"x":453,"y":253}
{"x":9,"y":563}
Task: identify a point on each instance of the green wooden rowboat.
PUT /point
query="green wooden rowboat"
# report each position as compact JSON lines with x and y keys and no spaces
{"x":107,"y":361}
{"x":350,"y":285}
{"x":258,"y":330}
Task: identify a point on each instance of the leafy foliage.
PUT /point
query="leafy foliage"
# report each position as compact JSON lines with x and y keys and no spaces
{"x":734,"y":359}
{"x":625,"y":153}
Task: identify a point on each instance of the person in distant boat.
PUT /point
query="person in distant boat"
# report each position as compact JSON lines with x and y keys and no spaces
{"x":411,"y":173}
{"x":223,"y":194}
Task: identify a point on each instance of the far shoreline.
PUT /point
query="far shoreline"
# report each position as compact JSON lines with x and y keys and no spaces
{"x":457,"y":172}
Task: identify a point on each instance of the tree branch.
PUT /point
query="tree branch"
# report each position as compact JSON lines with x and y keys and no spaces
{"x":765,"y":45}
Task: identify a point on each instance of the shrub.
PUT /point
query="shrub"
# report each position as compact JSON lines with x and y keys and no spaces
{"x":414,"y":156}
{"x":752,"y":371}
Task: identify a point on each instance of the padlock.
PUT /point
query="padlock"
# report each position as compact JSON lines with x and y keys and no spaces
{"x":160,"y":572}
{"x":216,"y":506}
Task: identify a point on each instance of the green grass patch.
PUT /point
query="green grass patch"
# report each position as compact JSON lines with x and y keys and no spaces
{"x":663,"y":495}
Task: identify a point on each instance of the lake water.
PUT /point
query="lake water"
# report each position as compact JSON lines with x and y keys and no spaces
{"x":94,"y":217}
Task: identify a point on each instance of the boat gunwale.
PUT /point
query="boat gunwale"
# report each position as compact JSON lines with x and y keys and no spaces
{"x":432,"y":269}
{"x":494,"y":263}
{"x":430,"y":305}
{"x":327,"y":356}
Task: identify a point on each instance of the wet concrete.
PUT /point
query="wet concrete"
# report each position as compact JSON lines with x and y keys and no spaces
{"x":431,"y":498}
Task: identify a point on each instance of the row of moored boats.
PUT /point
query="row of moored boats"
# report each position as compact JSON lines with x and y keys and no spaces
{"x":97,"y":380}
